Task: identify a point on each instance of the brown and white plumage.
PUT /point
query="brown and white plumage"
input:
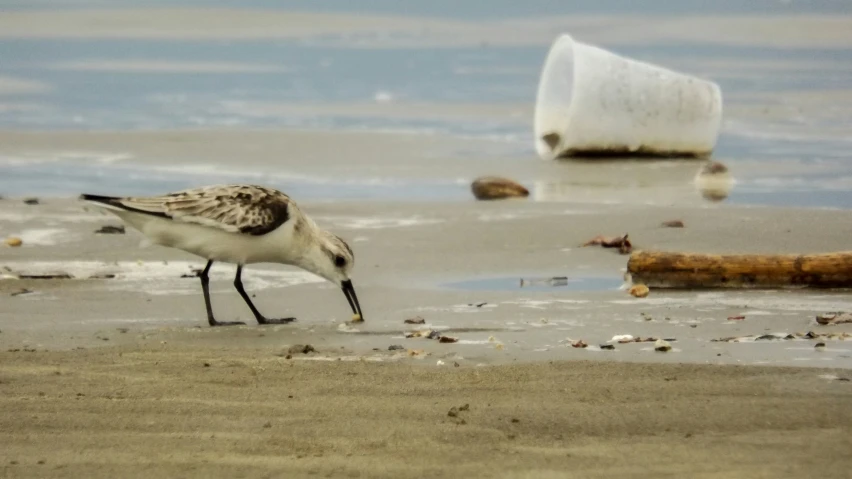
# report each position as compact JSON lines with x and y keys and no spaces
{"x":249,"y":209}
{"x":239,"y":224}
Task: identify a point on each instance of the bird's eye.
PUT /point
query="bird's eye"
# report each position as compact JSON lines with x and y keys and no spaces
{"x":339,"y":261}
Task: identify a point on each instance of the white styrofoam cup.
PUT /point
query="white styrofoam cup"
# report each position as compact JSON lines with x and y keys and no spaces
{"x":591,"y":101}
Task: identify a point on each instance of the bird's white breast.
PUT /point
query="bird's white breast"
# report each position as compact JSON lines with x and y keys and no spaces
{"x":214,"y":243}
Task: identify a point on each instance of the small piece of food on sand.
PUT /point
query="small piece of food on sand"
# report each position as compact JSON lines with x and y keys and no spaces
{"x":356,"y":318}
{"x":672,"y":224}
{"x":662,"y":346}
{"x":579,"y":344}
{"x":415,"y":320}
{"x":621,"y":242}
{"x":13,"y":241}
{"x":693,"y":271}
{"x":497,"y":188}
{"x":834,"y":318}
{"x":639,"y":290}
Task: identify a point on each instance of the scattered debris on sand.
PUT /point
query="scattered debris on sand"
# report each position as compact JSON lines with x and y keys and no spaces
{"x":31,"y":201}
{"x":621,"y":242}
{"x":415,"y":320}
{"x":784,"y":337}
{"x":672,"y":224}
{"x":629,"y":338}
{"x":497,"y":188}
{"x":736,"y":318}
{"x":608,"y":347}
{"x":431,"y":334}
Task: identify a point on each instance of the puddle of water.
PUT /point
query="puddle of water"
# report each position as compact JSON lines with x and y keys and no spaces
{"x":556,"y":283}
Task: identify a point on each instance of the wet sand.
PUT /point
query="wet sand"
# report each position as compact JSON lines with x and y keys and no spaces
{"x":106,"y":375}
{"x":169,"y":410}
{"x":455,"y":262}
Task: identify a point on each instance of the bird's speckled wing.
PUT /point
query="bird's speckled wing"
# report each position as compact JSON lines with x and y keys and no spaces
{"x":248,"y":209}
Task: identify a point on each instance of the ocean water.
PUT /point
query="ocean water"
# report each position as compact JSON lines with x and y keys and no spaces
{"x":80,"y":84}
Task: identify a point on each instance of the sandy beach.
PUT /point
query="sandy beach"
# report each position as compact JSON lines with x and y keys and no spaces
{"x":115,"y":371}
{"x":376,"y":123}
{"x":224,"y":412}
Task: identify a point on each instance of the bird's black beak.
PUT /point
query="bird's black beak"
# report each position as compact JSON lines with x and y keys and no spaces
{"x":349,"y":291}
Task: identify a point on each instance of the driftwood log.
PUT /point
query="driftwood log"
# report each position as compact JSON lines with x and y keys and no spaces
{"x":696,"y":271}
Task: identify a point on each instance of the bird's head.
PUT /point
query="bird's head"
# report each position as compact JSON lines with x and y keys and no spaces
{"x":331,"y":258}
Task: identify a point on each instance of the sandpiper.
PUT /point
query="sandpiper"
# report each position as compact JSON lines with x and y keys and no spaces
{"x":240,"y":224}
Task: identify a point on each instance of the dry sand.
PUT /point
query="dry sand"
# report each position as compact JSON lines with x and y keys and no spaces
{"x":201,"y":412}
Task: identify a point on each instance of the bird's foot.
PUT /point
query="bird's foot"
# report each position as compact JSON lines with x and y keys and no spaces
{"x":213,"y":322}
{"x":275,"y":321}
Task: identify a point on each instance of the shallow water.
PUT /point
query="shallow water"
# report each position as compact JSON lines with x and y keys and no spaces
{"x":781,"y":103}
{"x":537,"y":284}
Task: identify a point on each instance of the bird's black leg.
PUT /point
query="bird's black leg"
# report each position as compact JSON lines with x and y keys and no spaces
{"x":238,"y":283}
{"x":205,"y":280}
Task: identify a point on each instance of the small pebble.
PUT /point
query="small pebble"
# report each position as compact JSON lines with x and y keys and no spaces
{"x":639,"y":290}
{"x":13,"y":241}
{"x":395,"y":347}
{"x":301,"y":348}
{"x":111,"y":230}
{"x":607,"y":346}
{"x":497,"y":188}
{"x":819,"y":346}
{"x":662,"y":346}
